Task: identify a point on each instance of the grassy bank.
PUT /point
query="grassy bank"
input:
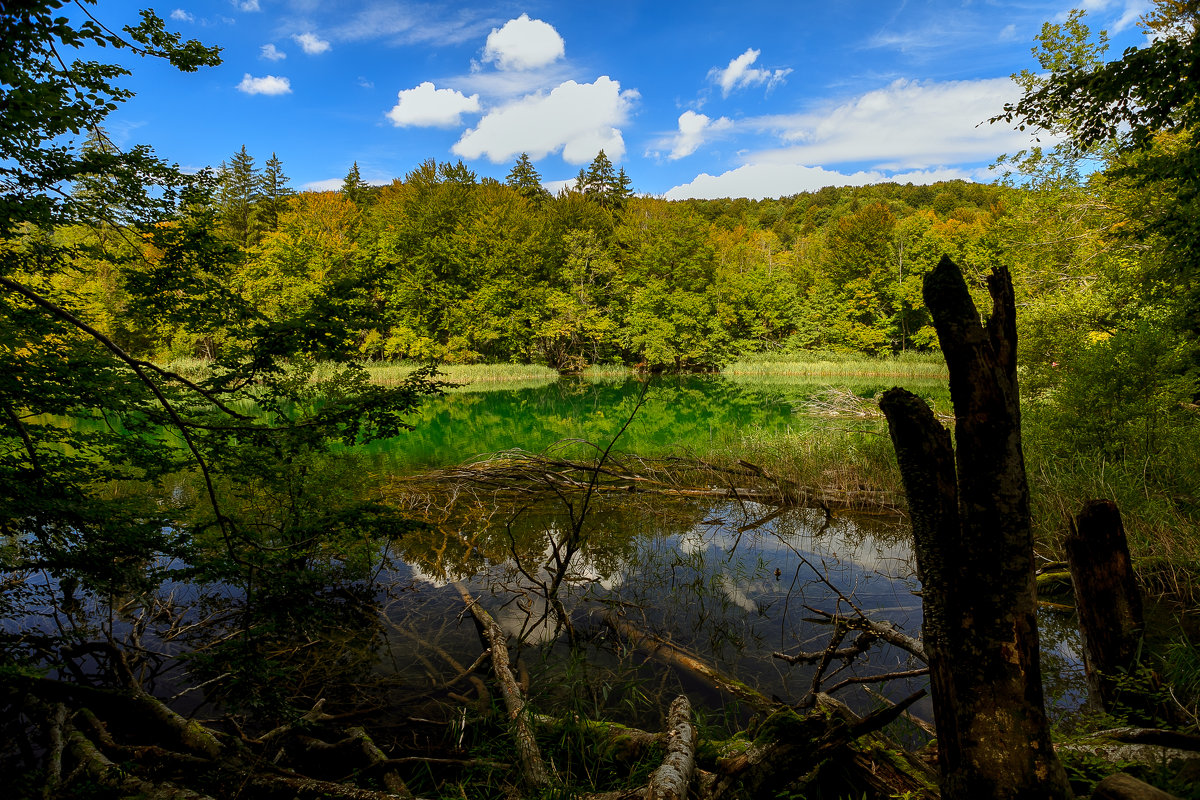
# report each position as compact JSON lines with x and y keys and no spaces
{"x":910,"y":365}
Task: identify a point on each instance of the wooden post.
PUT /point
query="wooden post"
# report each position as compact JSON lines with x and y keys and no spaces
{"x":973,"y":539}
{"x":1107,"y":597}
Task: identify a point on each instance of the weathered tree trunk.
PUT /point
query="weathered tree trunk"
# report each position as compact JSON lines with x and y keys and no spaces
{"x":671,"y":780}
{"x":971,"y":525}
{"x":1107,"y":597}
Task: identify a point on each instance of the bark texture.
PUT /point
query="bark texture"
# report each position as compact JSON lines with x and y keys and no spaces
{"x":970,"y":514}
{"x":1107,"y":597}
{"x":671,"y":780}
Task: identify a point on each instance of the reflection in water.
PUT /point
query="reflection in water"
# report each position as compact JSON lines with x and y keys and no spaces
{"x":683,"y":414}
{"x":731,"y":584}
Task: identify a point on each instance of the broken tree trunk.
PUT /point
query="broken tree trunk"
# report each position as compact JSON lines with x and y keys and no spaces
{"x":973,"y":537}
{"x":1107,"y":598}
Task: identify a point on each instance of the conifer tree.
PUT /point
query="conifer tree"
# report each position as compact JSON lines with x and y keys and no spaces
{"x":274,"y":191}
{"x":602,"y":183}
{"x":237,"y":196}
{"x":354,"y":187}
{"x":525,"y":178}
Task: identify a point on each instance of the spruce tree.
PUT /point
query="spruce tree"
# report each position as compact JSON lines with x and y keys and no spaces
{"x":237,"y":195}
{"x":274,"y":191}
{"x":525,"y":178}
{"x":354,"y":187}
{"x":602,"y":183}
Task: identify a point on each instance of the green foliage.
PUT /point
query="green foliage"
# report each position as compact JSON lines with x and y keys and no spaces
{"x":259,"y":502}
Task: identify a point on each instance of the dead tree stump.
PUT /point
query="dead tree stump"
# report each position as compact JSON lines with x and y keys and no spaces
{"x":1107,"y":598}
{"x":973,"y":541}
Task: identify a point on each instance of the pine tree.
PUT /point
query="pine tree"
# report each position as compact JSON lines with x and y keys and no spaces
{"x":525,"y":178}
{"x":354,"y":187}
{"x":237,"y":196}
{"x":275,"y":191}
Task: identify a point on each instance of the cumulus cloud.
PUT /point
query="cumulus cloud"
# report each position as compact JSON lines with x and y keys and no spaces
{"x":757,"y":181}
{"x":310,"y":43}
{"x":740,"y":74}
{"x":580,"y":119}
{"x":426,"y":106}
{"x":907,"y":131}
{"x":179,"y":15}
{"x":267,"y":84}
{"x":271,"y":53}
{"x":694,"y":129}
{"x":246,"y":5}
{"x":905,"y":125}
{"x":523,"y":44}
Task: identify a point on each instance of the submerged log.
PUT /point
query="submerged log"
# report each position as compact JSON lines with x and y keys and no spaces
{"x":1107,"y":598}
{"x":669,"y":654}
{"x":973,"y":540}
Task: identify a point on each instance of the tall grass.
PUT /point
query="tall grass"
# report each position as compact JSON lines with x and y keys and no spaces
{"x":1159,"y":499}
{"x":840,"y":365}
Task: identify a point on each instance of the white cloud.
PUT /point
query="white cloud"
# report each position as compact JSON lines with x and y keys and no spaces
{"x":757,"y":181}
{"x":246,"y":5}
{"x":908,"y":131}
{"x":580,"y":119}
{"x":739,"y":74}
{"x":500,"y":86}
{"x":693,"y":130}
{"x":179,"y":15}
{"x":522,"y":44}
{"x":271,"y":53}
{"x":267,"y":84}
{"x":310,"y":43}
{"x":905,"y":125}
{"x":326,"y":185}
{"x":426,"y":106}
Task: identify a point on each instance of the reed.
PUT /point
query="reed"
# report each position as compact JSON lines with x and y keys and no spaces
{"x":839,"y":365}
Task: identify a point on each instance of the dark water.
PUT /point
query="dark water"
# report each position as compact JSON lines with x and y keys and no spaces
{"x":730,"y":583}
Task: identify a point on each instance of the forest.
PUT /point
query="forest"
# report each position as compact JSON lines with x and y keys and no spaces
{"x":192,"y":530}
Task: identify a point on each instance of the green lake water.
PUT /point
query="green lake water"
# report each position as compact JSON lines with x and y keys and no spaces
{"x":682,"y":415}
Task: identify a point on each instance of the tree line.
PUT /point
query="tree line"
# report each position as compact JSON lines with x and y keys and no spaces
{"x":441,"y":265}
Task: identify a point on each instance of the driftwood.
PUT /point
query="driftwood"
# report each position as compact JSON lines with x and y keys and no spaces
{"x":670,"y":781}
{"x":533,"y":767}
{"x":671,"y":655}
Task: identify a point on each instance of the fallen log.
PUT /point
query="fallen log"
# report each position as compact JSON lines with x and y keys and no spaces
{"x":1127,"y":787}
{"x":671,"y":655}
{"x":533,"y":767}
{"x":670,"y":781}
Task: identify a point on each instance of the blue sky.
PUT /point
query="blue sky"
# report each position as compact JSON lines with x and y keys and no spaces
{"x":695,"y":99}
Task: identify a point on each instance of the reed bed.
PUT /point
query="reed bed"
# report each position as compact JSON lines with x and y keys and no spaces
{"x":832,"y":365}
